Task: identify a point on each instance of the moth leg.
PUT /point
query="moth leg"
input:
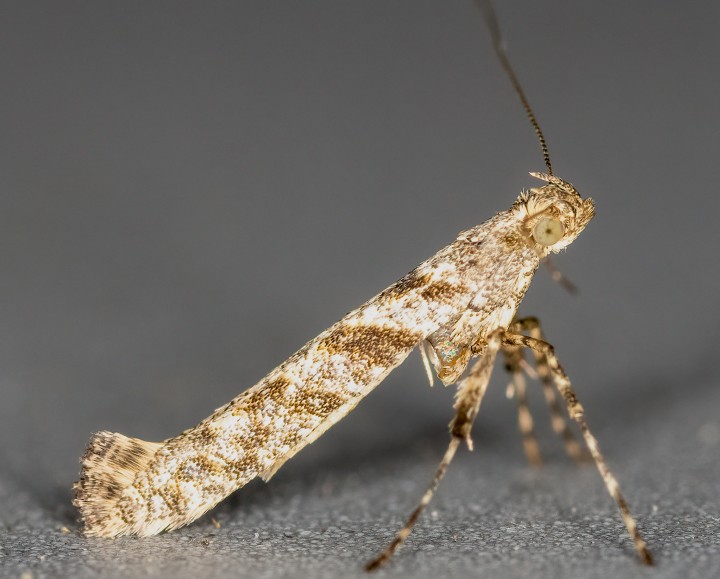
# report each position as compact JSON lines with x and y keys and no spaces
{"x":559,"y":425}
{"x":577,"y":413}
{"x":471,"y":389}
{"x":513,"y":364}
{"x":404,"y":533}
{"x":427,"y":364}
{"x":467,"y":403}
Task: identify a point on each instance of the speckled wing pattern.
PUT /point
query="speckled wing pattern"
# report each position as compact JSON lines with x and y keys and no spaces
{"x":466,"y":290}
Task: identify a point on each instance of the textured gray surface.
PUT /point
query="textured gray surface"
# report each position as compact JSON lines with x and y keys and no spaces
{"x":324,"y":516}
{"x":189,"y":191}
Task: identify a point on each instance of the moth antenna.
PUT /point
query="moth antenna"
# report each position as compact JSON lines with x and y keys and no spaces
{"x":488,"y":12}
{"x":559,"y":277}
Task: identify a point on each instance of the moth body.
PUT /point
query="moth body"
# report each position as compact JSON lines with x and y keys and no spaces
{"x":450,"y":303}
{"x":459,"y":304}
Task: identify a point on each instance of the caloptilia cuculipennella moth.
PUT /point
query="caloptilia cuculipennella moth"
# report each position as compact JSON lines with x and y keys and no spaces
{"x":457,"y":307}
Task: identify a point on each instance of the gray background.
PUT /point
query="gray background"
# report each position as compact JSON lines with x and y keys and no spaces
{"x":190,"y":191}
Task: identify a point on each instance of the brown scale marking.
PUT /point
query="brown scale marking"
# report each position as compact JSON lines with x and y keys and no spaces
{"x":518,"y":295}
{"x":576,"y":409}
{"x":249,"y":461}
{"x":237,"y":405}
{"x":239,"y":441}
{"x":356,"y":372}
{"x":119,"y":460}
{"x":314,"y":404}
{"x":260,"y":434}
{"x":374,"y":345}
{"x":126,"y":512}
{"x":164,"y":494}
{"x":467,"y":263}
{"x":359,"y":372}
{"x":172,"y":496}
{"x":350,"y":372}
{"x":410,"y":282}
{"x":229,"y":468}
{"x":212,"y":489}
{"x":289,"y":439}
{"x":144,"y":492}
{"x":238,"y":408}
{"x":224,"y":469}
{"x":226,"y":464}
{"x":112,"y":490}
{"x":235,"y":470}
{"x":96,"y":454}
{"x":319,"y":402}
{"x":127,"y":457}
{"x":441,"y":291}
{"x":511,"y":240}
{"x":206,"y":434}
{"x":203,"y":464}
{"x":276,"y":389}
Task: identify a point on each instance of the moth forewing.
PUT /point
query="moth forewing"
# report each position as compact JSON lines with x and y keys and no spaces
{"x":264,"y":426}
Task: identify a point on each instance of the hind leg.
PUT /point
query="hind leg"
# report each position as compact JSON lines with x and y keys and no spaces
{"x":515,"y":364}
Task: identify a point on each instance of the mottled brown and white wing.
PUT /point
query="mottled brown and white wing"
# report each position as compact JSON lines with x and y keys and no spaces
{"x":129,"y":486}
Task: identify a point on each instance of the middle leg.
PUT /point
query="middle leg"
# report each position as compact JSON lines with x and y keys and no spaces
{"x":471,"y":391}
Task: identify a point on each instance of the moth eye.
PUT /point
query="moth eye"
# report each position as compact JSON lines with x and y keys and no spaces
{"x":548,"y":231}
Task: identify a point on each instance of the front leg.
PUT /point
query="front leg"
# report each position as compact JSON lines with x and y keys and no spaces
{"x":577,"y":413}
{"x":560,"y":426}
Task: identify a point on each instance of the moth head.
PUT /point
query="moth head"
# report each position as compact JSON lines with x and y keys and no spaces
{"x":554,"y":214}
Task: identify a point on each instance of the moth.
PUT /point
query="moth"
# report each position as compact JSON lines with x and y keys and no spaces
{"x":458,"y":307}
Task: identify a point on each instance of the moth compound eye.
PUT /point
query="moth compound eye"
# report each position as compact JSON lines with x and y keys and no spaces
{"x":548,"y":231}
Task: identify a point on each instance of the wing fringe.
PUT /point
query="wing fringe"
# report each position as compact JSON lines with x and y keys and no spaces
{"x":109,"y":465}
